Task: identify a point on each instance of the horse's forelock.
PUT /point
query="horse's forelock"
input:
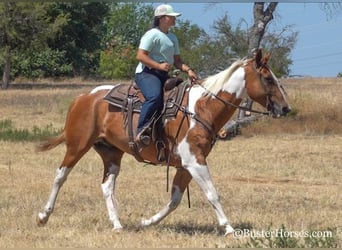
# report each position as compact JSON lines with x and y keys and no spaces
{"x":216,"y":82}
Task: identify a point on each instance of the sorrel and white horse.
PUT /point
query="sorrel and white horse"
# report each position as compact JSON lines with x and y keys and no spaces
{"x":208,"y":106}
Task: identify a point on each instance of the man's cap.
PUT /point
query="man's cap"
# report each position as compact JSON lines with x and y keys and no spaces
{"x":165,"y":10}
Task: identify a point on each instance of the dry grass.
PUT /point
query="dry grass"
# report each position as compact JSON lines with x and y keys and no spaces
{"x":278,"y":172}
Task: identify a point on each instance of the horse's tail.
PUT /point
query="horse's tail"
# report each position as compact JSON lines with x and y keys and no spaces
{"x":50,"y":143}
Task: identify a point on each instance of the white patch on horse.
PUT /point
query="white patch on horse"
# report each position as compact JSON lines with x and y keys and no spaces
{"x":236,"y":83}
{"x":196,"y":92}
{"x":184,"y":152}
{"x":172,"y":205}
{"x":102,"y":87}
{"x":108,"y":193}
{"x":200,"y":174}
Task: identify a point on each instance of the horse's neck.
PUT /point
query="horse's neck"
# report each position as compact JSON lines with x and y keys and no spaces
{"x":224,"y":108}
{"x":230,"y":95}
{"x":236,"y":83}
{"x":216,"y":111}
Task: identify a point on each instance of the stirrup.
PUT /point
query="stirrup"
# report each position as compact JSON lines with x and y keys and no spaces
{"x":161,"y":154}
{"x":143,"y":137}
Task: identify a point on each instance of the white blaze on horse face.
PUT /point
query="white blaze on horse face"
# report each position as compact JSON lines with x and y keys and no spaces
{"x":280,"y":88}
{"x":103,"y":87}
{"x":236,"y":83}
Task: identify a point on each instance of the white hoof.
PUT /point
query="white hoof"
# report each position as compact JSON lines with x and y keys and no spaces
{"x":42,"y":219}
{"x":117,"y":230}
{"x":145,"y":223}
{"x":229,"y":230}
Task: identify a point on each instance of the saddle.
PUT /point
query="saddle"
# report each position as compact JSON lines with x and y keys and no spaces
{"x":129,"y":99}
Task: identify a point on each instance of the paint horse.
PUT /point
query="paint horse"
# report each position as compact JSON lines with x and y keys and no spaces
{"x":93,"y":122}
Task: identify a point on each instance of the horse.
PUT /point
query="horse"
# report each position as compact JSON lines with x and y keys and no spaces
{"x":206,"y":108}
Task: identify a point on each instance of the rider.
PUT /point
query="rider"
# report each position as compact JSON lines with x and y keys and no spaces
{"x":158,"y":51}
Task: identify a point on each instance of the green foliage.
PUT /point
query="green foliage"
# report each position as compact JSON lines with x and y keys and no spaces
{"x":128,"y":22}
{"x":88,"y":38}
{"x":9,"y":133}
{"x":118,"y":61}
{"x":125,"y":26}
{"x":81,"y":36}
{"x":191,"y":39}
{"x":280,"y":45}
{"x":38,"y":64}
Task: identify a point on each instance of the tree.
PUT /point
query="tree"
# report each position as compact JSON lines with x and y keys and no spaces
{"x":332,"y":9}
{"x":82,"y":35}
{"x":191,"y":39}
{"x":22,"y":25}
{"x":262,"y":16}
{"x":117,"y":60}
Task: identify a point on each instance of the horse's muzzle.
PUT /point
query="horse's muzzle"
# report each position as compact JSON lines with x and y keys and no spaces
{"x":280,"y":112}
{"x":285,"y":111}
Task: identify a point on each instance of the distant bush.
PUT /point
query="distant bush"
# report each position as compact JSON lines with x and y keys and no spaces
{"x":9,"y":133}
{"x":45,"y":63}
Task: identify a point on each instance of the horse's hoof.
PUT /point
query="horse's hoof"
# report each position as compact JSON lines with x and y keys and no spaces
{"x":145,"y":223}
{"x":229,"y":231}
{"x":41,"y":220}
{"x":117,"y":230}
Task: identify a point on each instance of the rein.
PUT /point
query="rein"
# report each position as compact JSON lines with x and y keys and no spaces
{"x":233,"y":105}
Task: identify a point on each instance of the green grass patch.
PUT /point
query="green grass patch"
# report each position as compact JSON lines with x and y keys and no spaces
{"x":9,"y":133}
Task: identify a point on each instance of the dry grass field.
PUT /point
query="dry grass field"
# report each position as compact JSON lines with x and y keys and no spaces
{"x":277,"y":173}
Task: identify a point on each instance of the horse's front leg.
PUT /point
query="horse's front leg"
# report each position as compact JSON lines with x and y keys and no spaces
{"x":180,"y":182}
{"x":196,"y":164}
{"x":60,"y":177}
{"x":201,"y":175}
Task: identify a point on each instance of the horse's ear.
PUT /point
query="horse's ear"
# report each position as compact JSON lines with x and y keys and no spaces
{"x":266,"y":58}
{"x":258,"y":58}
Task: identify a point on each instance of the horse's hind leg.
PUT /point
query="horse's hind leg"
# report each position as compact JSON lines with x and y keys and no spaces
{"x":71,"y":157}
{"x":60,"y":177}
{"x":180,"y":182}
{"x":111,"y":158}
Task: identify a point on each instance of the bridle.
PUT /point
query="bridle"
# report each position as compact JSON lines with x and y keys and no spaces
{"x":227,"y":103}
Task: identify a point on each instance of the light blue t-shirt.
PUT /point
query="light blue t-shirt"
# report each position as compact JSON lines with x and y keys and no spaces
{"x":161,"y":47}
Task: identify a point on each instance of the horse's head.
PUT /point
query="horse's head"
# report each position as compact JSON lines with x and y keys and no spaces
{"x":264,"y":87}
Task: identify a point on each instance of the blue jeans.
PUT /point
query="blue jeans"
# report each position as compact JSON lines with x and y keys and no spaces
{"x":151,"y":86}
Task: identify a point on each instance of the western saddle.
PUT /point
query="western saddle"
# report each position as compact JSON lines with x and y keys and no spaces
{"x":129,"y":98}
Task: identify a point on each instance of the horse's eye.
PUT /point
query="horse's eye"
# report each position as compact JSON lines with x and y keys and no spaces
{"x":269,"y":80}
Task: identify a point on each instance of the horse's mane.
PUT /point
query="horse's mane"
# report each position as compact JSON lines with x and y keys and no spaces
{"x":215,"y":83}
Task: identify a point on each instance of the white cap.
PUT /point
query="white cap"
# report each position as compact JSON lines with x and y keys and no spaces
{"x":165,"y":10}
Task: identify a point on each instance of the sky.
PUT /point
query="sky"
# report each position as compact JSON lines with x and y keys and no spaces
{"x":318,"y":51}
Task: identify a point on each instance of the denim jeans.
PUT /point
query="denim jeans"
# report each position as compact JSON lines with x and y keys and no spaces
{"x":151,"y":86}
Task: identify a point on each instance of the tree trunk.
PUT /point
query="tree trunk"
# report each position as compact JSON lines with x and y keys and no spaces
{"x":261,"y":19}
{"x":256,"y":32}
{"x":7,"y":69}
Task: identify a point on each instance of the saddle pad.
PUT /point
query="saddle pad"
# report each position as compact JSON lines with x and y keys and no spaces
{"x":118,"y":96}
